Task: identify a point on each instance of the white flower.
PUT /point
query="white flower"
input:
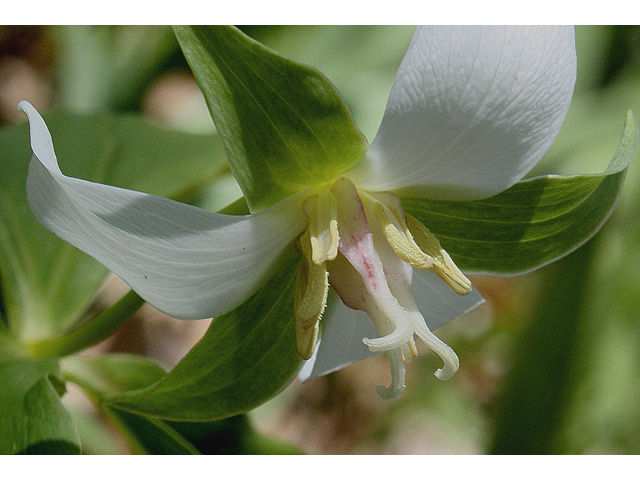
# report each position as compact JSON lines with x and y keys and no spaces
{"x":471,"y":111}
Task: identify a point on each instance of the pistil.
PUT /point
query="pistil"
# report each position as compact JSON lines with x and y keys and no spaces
{"x":368,"y":244}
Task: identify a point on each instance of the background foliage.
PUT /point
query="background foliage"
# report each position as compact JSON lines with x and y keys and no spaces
{"x":550,"y":365}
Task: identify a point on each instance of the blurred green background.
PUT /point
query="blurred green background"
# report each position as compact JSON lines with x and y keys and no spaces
{"x":550,"y":364}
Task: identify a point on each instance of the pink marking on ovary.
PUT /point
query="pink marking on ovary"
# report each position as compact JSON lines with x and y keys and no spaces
{"x":357,"y":254}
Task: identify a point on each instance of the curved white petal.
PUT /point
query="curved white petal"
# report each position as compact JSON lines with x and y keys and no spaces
{"x":436,"y":301}
{"x":471,"y":111}
{"x":185,"y":261}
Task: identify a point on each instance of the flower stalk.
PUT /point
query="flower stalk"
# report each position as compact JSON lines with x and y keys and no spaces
{"x":91,"y":332}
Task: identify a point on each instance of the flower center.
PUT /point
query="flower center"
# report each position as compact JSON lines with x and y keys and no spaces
{"x":364,"y":246}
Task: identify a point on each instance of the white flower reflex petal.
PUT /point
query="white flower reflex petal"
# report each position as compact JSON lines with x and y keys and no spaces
{"x":185,"y":261}
{"x":471,"y":111}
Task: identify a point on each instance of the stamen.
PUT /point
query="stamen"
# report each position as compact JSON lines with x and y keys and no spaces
{"x":378,"y":244}
{"x":395,"y":389}
{"x":322,"y":211}
{"x":443,"y":265}
{"x":312,"y":286}
{"x":402,"y":244}
{"x":409,"y":351}
{"x":306,"y":337}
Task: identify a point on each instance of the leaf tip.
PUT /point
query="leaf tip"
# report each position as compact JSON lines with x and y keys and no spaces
{"x":627,"y":146}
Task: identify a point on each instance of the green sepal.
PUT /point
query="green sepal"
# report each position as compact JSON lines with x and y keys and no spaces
{"x":45,"y":283}
{"x":246,"y":357}
{"x":283,"y":125}
{"x":532,"y":223}
{"x":32,"y":418}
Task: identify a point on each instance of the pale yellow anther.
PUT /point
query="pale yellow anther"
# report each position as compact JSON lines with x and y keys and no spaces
{"x":443,"y":265}
{"x":312,"y":286}
{"x":322,"y":211}
{"x":401,"y":242}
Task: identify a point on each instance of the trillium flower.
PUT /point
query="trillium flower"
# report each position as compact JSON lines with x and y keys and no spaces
{"x":471,"y":111}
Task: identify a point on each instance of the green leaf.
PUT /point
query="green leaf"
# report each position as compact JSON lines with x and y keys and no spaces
{"x":283,"y":125}
{"x":361,"y":60}
{"x":245,"y":358}
{"x":46,"y":284}
{"x":532,"y":223}
{"x":32,"y":419}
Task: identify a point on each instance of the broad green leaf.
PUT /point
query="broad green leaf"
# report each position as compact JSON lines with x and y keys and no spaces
{"x":283,"y":125}
{"x":532,"y":223}
{"x":10,"y":347}
{"x":361,"y":60}
{"x":32,"y":419}
{"x":47,"y":284}
{"x":116,"y":373}
{"x":245,"y":358}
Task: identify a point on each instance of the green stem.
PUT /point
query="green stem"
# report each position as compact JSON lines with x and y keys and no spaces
{"x":90,"y":333}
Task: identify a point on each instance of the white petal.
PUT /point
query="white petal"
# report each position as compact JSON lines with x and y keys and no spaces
{"x":471,"y":111}
{"x":437,"y":302}
{"x":341,"y":340}
{"x":185,"y":261}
